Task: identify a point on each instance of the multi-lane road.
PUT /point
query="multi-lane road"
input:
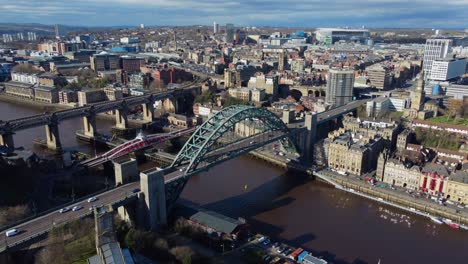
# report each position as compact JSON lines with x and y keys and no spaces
{"x":41,"y":225}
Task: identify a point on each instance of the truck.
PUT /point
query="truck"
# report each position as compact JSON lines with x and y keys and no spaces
{"x":301,"y":256}
{"x":295,"y":253}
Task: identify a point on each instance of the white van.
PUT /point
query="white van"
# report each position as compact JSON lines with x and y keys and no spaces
{"x":11,"y":232}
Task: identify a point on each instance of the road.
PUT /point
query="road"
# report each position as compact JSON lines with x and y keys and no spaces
{"x":45,"y":223}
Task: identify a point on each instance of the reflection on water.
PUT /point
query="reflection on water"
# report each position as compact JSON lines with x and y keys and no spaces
{"x":339,"y":226}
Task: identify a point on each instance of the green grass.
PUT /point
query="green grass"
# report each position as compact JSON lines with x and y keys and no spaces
{"x":81,"y":249}
{"x":449,"y":120}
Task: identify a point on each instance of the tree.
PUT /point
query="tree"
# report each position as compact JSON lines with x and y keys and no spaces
{"x":9,"y":215}
{"x":183,"y":254}
{"x":205,"y":97}
{"x":26,"y":68}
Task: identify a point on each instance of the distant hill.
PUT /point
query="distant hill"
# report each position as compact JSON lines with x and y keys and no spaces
{"x":40,"y":29}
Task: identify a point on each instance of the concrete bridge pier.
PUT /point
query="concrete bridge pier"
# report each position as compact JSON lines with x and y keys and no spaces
{"x":7,"y":140}
{"x":148,"y":112}
{"x":52,"y":137}
{"x":121,"y":118}
{"x":170,"y":105}
{"x":89,"y":126}
{"x":151,"y":207}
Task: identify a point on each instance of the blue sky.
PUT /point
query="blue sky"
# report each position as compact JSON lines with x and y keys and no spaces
{"x":300,"y":13}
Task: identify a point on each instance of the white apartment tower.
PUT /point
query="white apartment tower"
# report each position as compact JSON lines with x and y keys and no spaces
{"x":215,"y":27}
{"x":435,"y":49}
{"x":340,"y":84}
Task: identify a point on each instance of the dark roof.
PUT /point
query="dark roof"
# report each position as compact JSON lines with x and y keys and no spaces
{"x":460,"y":176}
{"x":216,"y":221}
{"x":437,"y":168}
{"x":44,"y":88}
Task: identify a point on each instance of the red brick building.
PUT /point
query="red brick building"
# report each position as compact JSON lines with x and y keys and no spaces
{"x":131,"y":64}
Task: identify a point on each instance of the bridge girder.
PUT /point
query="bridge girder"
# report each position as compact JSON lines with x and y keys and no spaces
{"x":202,"y":140}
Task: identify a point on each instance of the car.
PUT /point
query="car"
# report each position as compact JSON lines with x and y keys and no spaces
{"x":266,"y":242}
{"x":76,"y":208}
{"x":252,"y":142}
{"x":182,"y":169}
{"x":288,"y":251}
{"x":92,"y":207}
{"x":276,"y":244}
{"x":261,"y":239}
{"x":92,"y":199}
{"x":280,"y":250}
{"x":12,"y":232}
{"x":64,"y":210}
{"x":136,"y":190}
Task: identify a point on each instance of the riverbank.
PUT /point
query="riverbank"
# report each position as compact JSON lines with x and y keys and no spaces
{"x":361,"y":188}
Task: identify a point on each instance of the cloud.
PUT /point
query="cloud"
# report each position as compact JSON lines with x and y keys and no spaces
{"x":304,"y":13}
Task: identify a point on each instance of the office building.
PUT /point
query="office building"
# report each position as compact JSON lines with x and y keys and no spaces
{"x":447,"y":68}
{"x":131,"y":63}
{"x":215,"y":28}
{"x":105,"y":62}
{"x":340,"y":86}
{"x":380,"y":77}
{"x":230,"y":33}
{"x":433,"y":50}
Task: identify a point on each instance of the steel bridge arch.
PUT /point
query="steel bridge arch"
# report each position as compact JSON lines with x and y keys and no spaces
{"x":202,"y":140}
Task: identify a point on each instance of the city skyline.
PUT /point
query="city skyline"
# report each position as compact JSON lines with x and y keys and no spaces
{"x":293,"y":13}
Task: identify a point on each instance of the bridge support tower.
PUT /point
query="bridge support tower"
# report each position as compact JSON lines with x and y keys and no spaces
{"x":152,"y":207}
{"x":121,"y":118}
{"x":7,"y":140}
{"x":89,"y":126}
{"x":148,"y":112}
{"x":52,"y":137}
{"x":126,"y":171}
{"x":310,"y":136}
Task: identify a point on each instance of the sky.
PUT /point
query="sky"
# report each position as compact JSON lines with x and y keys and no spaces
{"x":288,"y":13}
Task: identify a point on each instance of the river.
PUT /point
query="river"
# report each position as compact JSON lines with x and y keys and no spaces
{"x":296,"y":210}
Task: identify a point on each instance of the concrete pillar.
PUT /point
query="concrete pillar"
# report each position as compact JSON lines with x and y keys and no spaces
{"x":89,"y":126}
{"x":154,"y":201}
{"x":288,"y":116}
{"x":7,"y":140}
{"x":310,"y":136}
{"x":121,"y":118}
{"x":148,"y":112}
{"x":125,"y":171}
{"x":52,"y":137}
